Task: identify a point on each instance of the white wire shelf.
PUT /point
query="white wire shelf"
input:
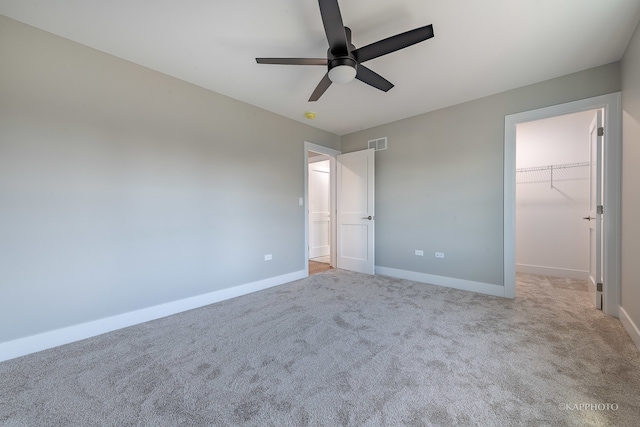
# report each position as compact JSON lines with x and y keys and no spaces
{"x":553,"y":173}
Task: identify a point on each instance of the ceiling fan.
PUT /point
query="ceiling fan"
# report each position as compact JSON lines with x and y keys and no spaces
{"x":344,"y":61}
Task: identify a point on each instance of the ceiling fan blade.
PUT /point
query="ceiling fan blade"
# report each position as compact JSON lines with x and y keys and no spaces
{"x":333,"y":27}
{"x":321,"y":88}
{"x":391,"y":44}
{"x":372,"y":78}
{"x":293,"y":61}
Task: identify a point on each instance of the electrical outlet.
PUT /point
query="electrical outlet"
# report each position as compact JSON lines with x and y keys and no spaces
{"x":268,"y":257}
{"x":439,"y":254}
{"x":419,"y":252}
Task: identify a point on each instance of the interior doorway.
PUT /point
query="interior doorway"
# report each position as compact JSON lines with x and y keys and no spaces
{"x":320,"y":207}
{"x":611,"y":182}
{"x":320,"y":212}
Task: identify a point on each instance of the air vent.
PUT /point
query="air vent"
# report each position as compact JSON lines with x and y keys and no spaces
{"x":378,"y":144}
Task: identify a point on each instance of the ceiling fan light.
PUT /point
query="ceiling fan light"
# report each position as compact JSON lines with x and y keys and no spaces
{"x":342,"y":74}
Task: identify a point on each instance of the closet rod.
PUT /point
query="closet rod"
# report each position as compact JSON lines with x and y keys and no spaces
{"x":553,"y":167}
{"x":550,"y":167}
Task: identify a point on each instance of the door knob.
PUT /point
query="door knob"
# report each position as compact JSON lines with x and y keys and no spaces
{"x":588,"y":218}
{"x":368,"y":217}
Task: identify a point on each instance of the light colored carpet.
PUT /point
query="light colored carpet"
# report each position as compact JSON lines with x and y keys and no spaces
{"x":339,"y":349}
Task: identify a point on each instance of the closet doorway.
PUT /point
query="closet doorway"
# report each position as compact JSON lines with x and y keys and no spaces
{"x":610,"y":105}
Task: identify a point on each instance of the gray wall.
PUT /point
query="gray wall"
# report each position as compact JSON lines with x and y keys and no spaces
{"x":122,"y":188}
{"x":630,"y":275}
{"x":439,"y":185}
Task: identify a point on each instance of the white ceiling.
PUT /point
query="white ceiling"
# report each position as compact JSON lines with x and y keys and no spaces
{"x":480,"y":47}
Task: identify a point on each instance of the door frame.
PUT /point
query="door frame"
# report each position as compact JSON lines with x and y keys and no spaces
{"x":612,"y":161}
{"x":331,"y":153}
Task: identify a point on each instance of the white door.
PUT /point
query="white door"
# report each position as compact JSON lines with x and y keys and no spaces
{"x":319,"y":209}
{"x":595,"y":209}
{"x":355,"y":219}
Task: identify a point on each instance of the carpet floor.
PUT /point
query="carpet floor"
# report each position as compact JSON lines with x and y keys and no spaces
{"x":344,"y":349}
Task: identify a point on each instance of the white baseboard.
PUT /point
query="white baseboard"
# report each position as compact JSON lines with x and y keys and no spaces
{"x":46,"y":340}
{"x":632,"y":328}
{"x":449,"y":282}
{"x":552,"y":271}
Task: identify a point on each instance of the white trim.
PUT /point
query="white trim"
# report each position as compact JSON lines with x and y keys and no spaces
{"x":509,"y":247}
{"x":632,"y":329}
{"x":552,"y":271}
{"x":448,"y":282}
{"x":612,"y":182}
{"x":46,"y":340}
{"x":331,"y":153}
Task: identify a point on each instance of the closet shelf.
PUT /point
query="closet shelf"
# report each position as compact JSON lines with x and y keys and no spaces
{"x":553,"y":173}
{"x":551,"y":167}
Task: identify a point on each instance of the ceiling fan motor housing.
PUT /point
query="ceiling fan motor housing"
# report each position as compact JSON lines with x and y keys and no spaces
{"x":342,"y":66}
